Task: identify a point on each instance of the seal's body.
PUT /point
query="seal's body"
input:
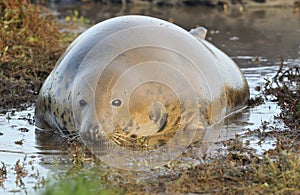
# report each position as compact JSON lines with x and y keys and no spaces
{"x":138,"y":76}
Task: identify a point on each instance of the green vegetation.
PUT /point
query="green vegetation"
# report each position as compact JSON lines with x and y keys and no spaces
{"x":76,"y":18}
{"x":80,"y":184}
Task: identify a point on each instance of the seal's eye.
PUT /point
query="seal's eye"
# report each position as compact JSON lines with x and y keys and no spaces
{"x":116,"y":102}
{"x":82,"y":103}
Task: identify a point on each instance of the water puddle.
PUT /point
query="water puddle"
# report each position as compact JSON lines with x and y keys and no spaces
{"x":27,"y":154}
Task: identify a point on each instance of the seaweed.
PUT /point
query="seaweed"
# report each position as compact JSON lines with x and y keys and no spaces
{"x":284,"y":88}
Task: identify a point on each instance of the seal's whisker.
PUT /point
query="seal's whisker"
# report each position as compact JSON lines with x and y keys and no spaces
{"x":116,"y":141}
{"x":72,"y":137}
{"x":117,"y":137}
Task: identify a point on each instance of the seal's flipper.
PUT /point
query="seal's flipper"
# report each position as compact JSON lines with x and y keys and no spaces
{"x":199,"y":32}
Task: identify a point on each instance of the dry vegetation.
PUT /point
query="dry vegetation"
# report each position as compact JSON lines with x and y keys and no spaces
{"x":30,"y":45}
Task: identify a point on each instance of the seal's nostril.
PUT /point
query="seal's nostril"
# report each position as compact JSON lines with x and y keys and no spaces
{"x":133,"y":136}
{"x":116,"y":102}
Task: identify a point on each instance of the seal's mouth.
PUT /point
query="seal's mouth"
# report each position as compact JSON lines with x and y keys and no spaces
{"x":96,"y":139}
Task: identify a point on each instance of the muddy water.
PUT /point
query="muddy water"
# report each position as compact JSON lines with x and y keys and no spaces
{"x":254,"y":37}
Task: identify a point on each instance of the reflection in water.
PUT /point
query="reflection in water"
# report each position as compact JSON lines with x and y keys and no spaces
{"x":50,"y":142}
{"x":37,"y":152}
{"x":265,"y":32}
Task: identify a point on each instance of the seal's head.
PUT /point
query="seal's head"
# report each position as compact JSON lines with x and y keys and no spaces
{"x":144,"y":76}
